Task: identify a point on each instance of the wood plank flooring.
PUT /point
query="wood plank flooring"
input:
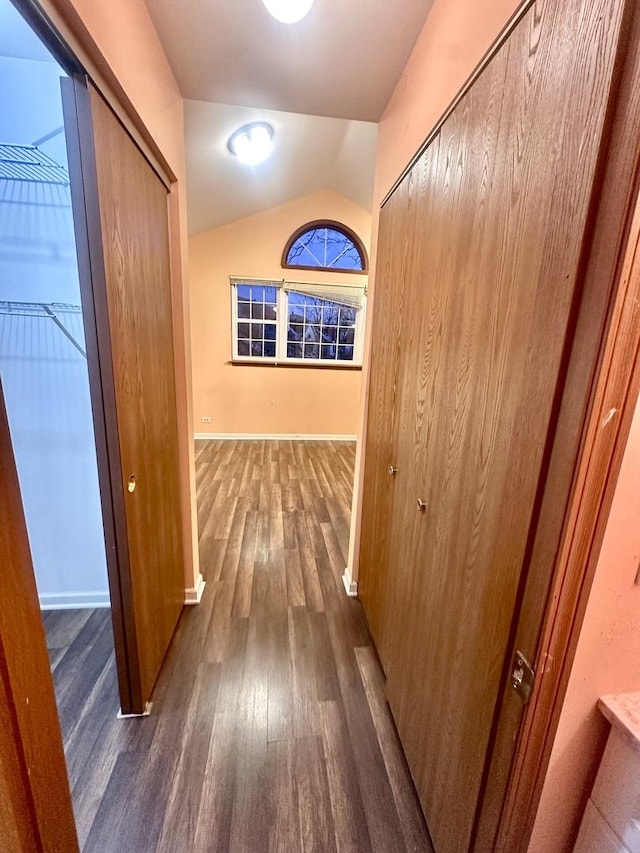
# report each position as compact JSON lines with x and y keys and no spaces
{"x":269,"y":729}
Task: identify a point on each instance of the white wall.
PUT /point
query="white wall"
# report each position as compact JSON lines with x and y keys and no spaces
{"x":44,"y":376}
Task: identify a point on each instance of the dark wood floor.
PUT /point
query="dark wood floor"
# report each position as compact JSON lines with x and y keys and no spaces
{"x":269,"y":729}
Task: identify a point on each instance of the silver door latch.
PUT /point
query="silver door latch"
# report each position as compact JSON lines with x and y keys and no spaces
{"x":522,"y":677}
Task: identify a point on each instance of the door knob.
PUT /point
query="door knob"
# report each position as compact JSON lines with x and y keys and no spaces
{"x":392,"y":470}
{"x":131,"y":485}
{"x":422,"y":507}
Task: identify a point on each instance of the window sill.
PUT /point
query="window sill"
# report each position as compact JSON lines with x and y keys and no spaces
{"x":308,"y":363}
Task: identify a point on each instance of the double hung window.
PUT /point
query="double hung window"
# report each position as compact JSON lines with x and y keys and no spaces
{"x":300,"y":322}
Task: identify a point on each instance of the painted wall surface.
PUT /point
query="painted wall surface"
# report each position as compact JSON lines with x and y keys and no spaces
{"x":125,"y":35}
{"x":607,"y":661}
{"x":44,"y":376}
{"x":265,"y":399}
{"x":455,"y":37}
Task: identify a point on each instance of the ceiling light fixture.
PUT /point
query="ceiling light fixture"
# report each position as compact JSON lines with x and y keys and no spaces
{"x":288,"y":11}
{"x":252,"y":143}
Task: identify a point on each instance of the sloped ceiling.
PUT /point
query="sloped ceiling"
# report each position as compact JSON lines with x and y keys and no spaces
{"x":311,"y":153}
{"x":322,"y":83}
{"x":342,"y":60}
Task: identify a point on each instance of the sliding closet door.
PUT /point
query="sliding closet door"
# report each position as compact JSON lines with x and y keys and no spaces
{"x":380,"y":464}
{"x":126,"y":209}
{"x":494,"y":222}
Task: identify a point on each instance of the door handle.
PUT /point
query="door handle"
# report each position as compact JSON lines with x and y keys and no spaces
{"x":131,"y":485}
{"x":422,"y":507}
{"x":392,"y":471}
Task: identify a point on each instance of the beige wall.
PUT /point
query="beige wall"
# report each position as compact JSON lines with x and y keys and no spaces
{"x":607,"y":661}
{"x":266,"y":399}
{"x":128,"y":42}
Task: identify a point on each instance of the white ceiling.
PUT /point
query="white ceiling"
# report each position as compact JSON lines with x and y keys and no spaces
{"x":342,"y":60}
{"x":310,"y":153}
{"x":16,"y":38}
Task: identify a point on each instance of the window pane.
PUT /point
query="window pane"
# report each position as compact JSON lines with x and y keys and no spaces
{"x":243,"y":330}
{"x":325,"y":247}
{"x":347,"y":336}
{"x":347,"y":316}
{"x":308,"y":250}
{"x":270,"y":295}
{"x":244,"y":310}
{"x":313,"y":313}
{"x":350,"y":260}
{"x":257,"y":311}
{"x":243,"y":347}
{"x":330,"y":313}
{"x":257,"y":331}
{"x":294,"y":350}
{"x":345,"y":353}
{"x":270,"y":349}
{"x":342,"y":252}
{"x":270,"y":331}
{"x":325,"y":328}
{"x":295,"y":332}
{"x":256,"y":348}
{"x":257,"y":293}
{"x":312,"y":333}
{"x":329,"y":334}
{"x":269,"y":312}
{"x":244,"y":292}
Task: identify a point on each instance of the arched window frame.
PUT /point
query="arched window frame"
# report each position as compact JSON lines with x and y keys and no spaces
{"x":336,"y":226}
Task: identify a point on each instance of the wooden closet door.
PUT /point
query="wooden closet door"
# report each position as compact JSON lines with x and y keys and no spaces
{"x":499,"y":216}
{"x":128,"y":283}
{"x":380,"y":453}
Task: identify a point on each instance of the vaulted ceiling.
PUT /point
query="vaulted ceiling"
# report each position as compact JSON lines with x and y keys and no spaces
{"x":310,"y":153}
{"x":322,"y":83}
{"x":342,"y":60}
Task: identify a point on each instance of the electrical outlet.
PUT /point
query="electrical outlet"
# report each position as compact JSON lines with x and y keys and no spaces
{"x":206,"y":420}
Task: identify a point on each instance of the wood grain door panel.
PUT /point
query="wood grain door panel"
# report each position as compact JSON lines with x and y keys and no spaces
{"x":380,"y":448}
{"x":496,"y":209}
{"x":135,"y":231}
{"x":127,"y":281}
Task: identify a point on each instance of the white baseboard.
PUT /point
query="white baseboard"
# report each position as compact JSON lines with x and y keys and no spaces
{"x":258,"y":436}
{"x":194,"y":594}
{"x":74,"y":600}
{"x":145,"y":713}
{"x":350,"y":586}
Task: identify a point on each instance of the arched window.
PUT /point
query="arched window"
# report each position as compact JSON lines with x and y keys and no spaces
{"x":325,"y":245}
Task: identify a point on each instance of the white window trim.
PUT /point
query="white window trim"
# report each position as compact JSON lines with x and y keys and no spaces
{"x":281,"y":332}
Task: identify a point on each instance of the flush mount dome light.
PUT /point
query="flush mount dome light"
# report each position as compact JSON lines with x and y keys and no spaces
{"x":252,"y":143}
{"x":288,"y":11}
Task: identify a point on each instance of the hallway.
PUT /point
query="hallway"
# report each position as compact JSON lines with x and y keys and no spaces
{"x":269,"y":729}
